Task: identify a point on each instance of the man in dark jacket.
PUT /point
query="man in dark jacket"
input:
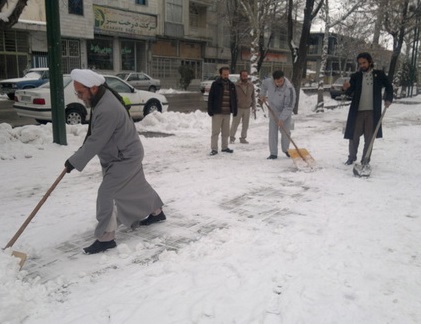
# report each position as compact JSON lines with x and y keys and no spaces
{"x":366,"y":106}
{"x":222,"y":103}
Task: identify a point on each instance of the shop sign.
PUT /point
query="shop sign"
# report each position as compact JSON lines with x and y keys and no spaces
{"x":126,"y":22}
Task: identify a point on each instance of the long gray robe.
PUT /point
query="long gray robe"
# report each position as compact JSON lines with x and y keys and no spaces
{"x":115,"y":140}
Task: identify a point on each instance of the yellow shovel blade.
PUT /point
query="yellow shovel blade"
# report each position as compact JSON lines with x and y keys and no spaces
{"x":20,"y":255}
{"x":301,"y":158}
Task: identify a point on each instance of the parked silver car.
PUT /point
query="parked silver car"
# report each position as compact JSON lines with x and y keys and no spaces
{"x":141,"y":81}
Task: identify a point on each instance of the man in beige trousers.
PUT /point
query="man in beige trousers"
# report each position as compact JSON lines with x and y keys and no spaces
{"x":222,"y":103}
{"x":245,"y":99}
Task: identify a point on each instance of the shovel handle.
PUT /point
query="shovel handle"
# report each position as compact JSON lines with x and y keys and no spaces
{"x":34,"y":212}
{"x":283,"y":129}
{"x":370,"y":146}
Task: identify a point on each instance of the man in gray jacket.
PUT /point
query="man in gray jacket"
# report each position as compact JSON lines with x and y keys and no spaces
{"x":245,"y":99}
{"x":124,"y":196}
{"x":280,"y":94}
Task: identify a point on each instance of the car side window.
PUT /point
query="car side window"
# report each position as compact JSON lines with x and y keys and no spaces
{"x":118,"y":86}
{"x":133,"y":77}
{"x":143,"y":77}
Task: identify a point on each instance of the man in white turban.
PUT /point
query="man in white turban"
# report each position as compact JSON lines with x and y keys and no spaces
{"x":124,"y":196}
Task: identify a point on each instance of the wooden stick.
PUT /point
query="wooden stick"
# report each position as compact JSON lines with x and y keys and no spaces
{"x":34,"y":212}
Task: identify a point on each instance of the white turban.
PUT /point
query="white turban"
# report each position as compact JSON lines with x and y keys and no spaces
{"x":87,"y":77}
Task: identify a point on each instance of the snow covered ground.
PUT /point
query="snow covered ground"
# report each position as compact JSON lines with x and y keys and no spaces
{"x":247,"y":240}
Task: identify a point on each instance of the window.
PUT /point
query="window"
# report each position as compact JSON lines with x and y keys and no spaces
{"x":70,"y":54}
{"x":140,"y":2}
{"x":174,"y":11}
{"x":100,"y":54}
{"x":128,"y":56}
{"x":76,"y":7}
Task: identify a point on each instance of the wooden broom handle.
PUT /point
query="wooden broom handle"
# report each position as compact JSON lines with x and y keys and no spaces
{"x":34,"y":212}
{"x":282,"y":127}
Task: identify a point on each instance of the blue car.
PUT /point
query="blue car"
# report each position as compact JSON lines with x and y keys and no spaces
{"x":32,"y":79}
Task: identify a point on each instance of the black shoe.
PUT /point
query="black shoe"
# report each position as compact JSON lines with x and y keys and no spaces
{"x":213,"y":152}
{"x":350,"y":161}
{"x":151,"y":219}
{"x":227,"y":150}
{"x":98,"y":246}
{"x":272,"y":157}
{"x":287,"y":154}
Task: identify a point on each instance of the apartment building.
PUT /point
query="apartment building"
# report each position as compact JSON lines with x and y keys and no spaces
{"x":154,"y":36}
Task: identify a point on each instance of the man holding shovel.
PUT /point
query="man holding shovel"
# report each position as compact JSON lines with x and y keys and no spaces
{"x":280,"y":94}
{"x":365,"y":87}
{"x":124,"y":195}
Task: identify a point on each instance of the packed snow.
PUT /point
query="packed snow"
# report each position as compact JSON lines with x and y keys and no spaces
{"x":246,"y":240}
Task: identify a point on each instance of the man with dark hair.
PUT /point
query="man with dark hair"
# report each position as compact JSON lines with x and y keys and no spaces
{"x":124,"y":196}
{"x":246,"y":99}
{"x":365,"y":87}
{"x":222,"y":103}
{"x":280,"y":94}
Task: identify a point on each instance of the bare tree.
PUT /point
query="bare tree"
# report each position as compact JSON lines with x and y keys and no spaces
{"x":398,"y":18}
{"x":329,"y":23}
{"x":261,"y":14}
{"x":239,"y":28}
{"x":10,"y":12}
{"x":299,"y":53}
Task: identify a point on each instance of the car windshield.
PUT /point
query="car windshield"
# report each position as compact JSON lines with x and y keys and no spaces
{"x":122,"y":75}
{"x":66,"y":81}
{"x":118,"y":85}
{"x":33,"y":75}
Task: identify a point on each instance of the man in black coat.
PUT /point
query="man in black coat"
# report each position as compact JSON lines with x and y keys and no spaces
{"x":222,"y":103}
{"x":366,"y":106}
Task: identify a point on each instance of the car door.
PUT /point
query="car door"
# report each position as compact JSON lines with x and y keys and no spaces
{"x":144,"y":82}
{"x":133,"y":79}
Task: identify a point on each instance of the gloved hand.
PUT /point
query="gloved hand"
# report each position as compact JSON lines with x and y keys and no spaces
{"x":68,"y":166}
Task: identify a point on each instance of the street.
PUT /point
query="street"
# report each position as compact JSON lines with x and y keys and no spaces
{"x":181,"y":102}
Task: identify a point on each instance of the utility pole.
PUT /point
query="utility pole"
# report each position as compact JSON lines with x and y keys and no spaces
{"x":52,"y":11}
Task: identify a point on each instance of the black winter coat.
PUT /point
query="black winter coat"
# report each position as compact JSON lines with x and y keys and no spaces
{"x":380,"y":80}
{"x":215,"y":97}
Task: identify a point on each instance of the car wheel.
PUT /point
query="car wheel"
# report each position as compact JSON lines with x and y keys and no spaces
{"x":74,"y":117}
{"x":152,"y":106}
{"x":11,"y":96}
{"x":152,"y":89}
{"x":41,"y":121}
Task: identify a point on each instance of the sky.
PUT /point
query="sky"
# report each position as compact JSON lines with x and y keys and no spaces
{"x":246,"y":240}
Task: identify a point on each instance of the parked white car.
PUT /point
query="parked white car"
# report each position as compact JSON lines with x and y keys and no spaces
{"x":207,"y":83}
{"x":36,"y":103}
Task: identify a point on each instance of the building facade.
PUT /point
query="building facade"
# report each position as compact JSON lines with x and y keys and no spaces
{"x":153,"y":36}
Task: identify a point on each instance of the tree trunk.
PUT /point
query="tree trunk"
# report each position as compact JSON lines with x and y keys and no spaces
{"x":299,"y":55}
{"x":398,"y":42}
{"x":14,"y":15}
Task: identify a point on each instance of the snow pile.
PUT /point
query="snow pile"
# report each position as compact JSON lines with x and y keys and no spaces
{"x":247,"y":240}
